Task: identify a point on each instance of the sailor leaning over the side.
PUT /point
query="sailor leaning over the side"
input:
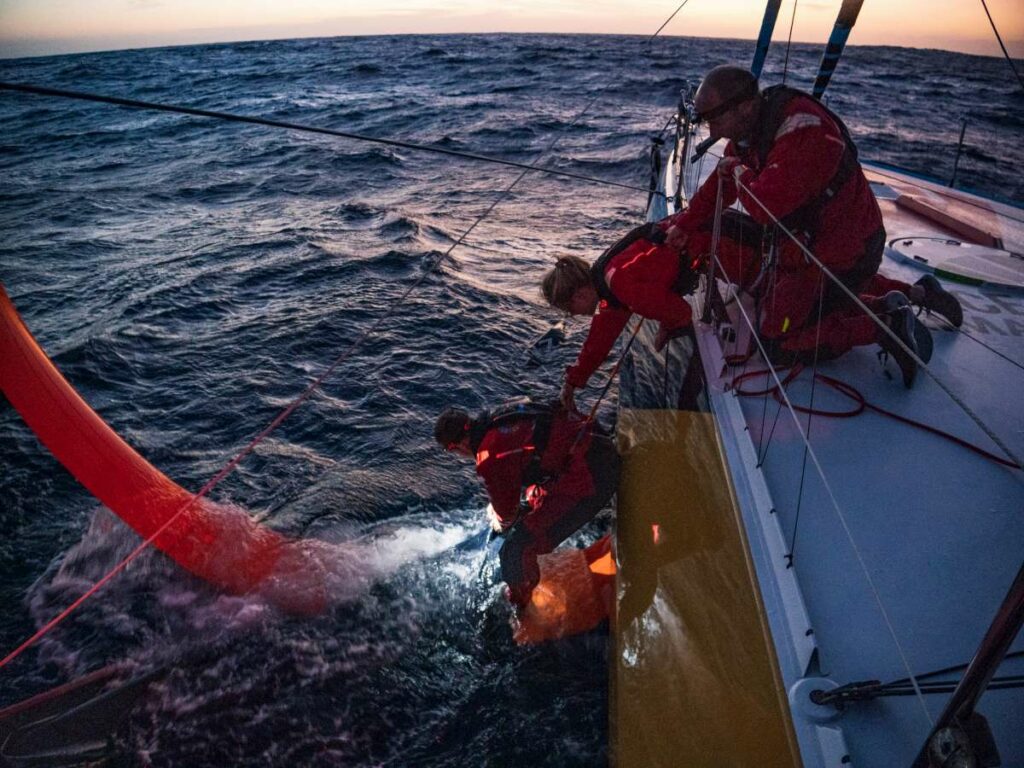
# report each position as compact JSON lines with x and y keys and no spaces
{"x":548,"y":471}
{"x":640,"y":273}
{"x":797,"y":159}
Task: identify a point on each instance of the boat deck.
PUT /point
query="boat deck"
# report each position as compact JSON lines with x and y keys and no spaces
{"x":896,"y":561}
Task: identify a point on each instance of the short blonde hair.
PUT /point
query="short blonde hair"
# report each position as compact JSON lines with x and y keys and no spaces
{"x":569,"y":274}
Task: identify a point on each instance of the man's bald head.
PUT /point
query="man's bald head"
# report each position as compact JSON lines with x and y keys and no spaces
{"x":726,"y":100}
{"x":722,"y":83}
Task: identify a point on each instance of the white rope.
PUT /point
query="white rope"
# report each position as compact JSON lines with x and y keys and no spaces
{"x":884,"y":326}
{"x":824,"y":480}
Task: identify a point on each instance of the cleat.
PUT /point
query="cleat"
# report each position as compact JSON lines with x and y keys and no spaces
{"x":940,"y":301}
{"x":900,"y":319}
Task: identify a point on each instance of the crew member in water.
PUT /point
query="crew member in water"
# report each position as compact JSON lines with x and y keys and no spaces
{"x":640,"y":274}
{"x":792,"y":155}
{"x":547,"y":472}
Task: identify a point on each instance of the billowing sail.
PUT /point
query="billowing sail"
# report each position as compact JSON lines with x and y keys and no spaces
{"x":218,"y":543}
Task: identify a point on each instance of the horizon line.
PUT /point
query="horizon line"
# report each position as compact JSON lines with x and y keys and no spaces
{"x":162,"y":45}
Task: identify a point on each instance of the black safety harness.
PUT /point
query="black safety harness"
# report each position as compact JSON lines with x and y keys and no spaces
{"x":684,"y":284}
{"x":515,"y":412}
{"x":807,"y":218}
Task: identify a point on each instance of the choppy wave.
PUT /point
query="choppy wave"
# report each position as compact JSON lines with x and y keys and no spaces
{"x":191,"y":277}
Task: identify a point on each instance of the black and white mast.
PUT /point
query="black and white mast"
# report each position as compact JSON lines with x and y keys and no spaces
{"x":836,"y":42}
{"x":764,"y":39}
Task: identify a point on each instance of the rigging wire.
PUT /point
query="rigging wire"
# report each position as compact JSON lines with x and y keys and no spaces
{"x":236,"y":118}
{"x":311,"y":388}
{"x":831,"y":494}
{"x":885,"y":329}
{"x":665,"y":24}
{"x":990,"y":348}
{"x":789,"y":42}
{"x":948,"y":326}
{"x":810,"y":416}
{"x":1000,"y":39}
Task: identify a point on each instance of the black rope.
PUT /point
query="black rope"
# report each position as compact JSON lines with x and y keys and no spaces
{"x":231,"y":117}
{"x":778,"y":412}
{"x":764,"y":401}
{"x":976,"y":340}
{"x":868,"y":690}
{"x":810,"y":417}
{"x":677,"y":10}
{"x":1000,"y":39}
{"x":773,"y":277}
{"x":947,"y":670}
{"x":789,"y":42}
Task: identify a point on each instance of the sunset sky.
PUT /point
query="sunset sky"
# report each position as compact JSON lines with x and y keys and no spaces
{"x":35,"y":27}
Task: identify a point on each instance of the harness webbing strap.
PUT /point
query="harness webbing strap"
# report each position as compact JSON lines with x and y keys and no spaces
{"x":806,"y":218}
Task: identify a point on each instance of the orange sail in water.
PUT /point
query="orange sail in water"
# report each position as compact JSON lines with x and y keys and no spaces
{"x":216,"y":542}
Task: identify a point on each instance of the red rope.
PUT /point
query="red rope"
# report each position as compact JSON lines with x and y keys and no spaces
{"x":227,"y":468}
{"x":861,"y":404}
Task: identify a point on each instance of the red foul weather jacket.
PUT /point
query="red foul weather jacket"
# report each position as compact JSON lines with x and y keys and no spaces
{"x":505,"y":452}
{"x":641,"y":277}
{"x":804,"y":155}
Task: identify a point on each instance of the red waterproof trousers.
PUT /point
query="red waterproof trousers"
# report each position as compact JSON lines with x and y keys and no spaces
{"x":557,"y":512}
{"x":789,"y":294}
{"x":583,"y":472}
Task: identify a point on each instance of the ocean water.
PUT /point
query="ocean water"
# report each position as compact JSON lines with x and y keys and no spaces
{"x":190,"y":277}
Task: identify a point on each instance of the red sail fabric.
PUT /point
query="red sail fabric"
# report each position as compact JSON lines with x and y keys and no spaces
{"x":216,"y":542}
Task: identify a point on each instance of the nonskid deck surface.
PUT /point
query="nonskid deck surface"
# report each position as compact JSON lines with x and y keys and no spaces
{"x":908,"y":573}
{"x":903,"y":553}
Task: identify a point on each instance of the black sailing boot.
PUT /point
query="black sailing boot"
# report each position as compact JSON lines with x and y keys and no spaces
{"x":937,"y":299}
{"x":898,"y":316}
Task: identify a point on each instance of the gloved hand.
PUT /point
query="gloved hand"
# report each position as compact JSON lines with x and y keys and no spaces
{"x":533,"y":494}
{"x":731,"y":168}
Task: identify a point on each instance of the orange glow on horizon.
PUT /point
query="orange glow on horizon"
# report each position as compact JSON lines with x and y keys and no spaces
{"x":30,"y":27}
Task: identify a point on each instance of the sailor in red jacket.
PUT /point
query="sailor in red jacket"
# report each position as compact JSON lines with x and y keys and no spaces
{"x":641,"y":274}
{"x":791,"y":155}
{"x":547,"y":472}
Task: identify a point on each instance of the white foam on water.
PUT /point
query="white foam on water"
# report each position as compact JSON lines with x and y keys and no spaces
{"x":343,"y":570}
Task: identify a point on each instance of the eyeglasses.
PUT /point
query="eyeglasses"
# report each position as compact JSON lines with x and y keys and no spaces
{"x":728,"y":104}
